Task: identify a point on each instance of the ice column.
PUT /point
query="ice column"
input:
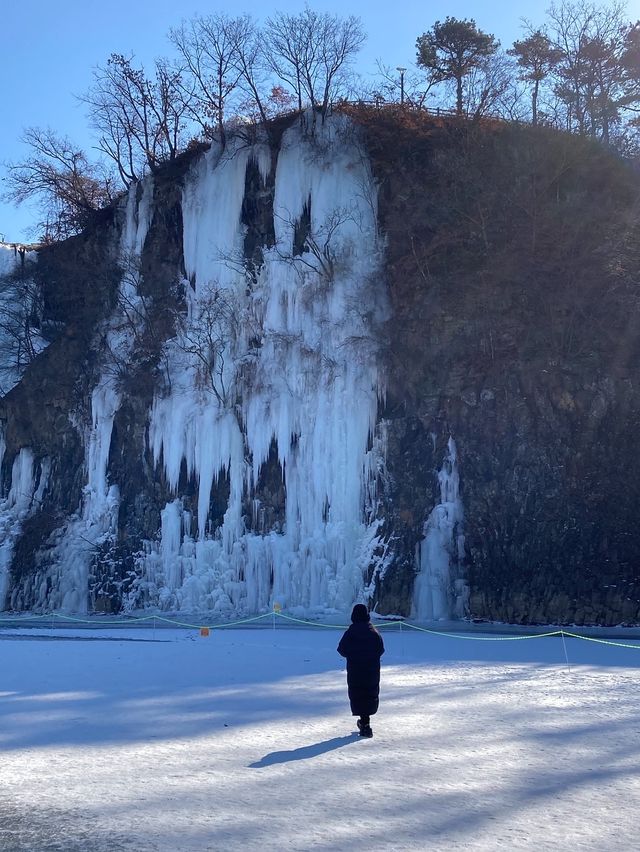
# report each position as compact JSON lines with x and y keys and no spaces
{"x":438,"y":593}
{"x":17,"y":506}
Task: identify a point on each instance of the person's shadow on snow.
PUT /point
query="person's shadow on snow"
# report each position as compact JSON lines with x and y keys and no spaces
{"x":303,"y":753}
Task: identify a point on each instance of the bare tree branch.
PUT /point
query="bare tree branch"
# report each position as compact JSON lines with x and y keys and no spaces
{"x":67,"y":187}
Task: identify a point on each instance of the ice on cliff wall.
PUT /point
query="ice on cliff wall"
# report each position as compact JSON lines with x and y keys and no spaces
{"x":298,"y":371}
{"x":275,"y":363}
{"x":61,"y":572}
{"x":24,"y":496}
{"x":437,"y":593}
{"x":20,"y":335}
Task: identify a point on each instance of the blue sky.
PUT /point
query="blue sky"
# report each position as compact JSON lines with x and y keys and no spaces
{"x":48,"y":51}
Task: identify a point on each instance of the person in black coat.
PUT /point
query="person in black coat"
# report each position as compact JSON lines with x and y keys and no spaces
{"x":362,"y":645}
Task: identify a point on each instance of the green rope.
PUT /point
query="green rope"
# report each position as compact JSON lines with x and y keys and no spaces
{"x":482,"y":638}
{"x":601,"y":641}
{"x":381,"y":625}
{"x":310,"y":623}
{"x":132,"y":621}
{"x":75,"y":620}
{"x":212,"y":626}
{"x":467,"y":636}
{"x":19,"y":619}
{"x":385,"y":624}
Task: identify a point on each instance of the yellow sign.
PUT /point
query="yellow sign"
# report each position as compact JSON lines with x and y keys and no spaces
{"x":276,"y":607}
{"x":204,"y":631}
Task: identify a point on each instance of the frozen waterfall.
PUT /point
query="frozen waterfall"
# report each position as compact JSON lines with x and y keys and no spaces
{"x":21,"y":336}
{"x":62,"y":582}
{"x":26,"y":487}
{"x":438,"y":593}
{"x":284,"y":358}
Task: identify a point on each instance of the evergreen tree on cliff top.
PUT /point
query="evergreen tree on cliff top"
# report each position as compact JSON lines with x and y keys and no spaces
{"x":536,"y":58}
{"x":452,"y":49}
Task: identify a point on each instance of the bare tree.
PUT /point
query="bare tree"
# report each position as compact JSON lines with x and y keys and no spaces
{"x":227,"y":73}
{"x":209,"y":47}
{"x":171,"y":110}
{"x":277,"y":102}
{"x":591,"y":76}
{"x":487,"y":84}
{"x":414,"y":87}
{"x":253,"y":69}
{"x":140,"y":119}
{"x":20,"y":323}
{"x":318,"y":247}
{"x":138,"y":326}
{"x":312,"y":53}
{"x":207,"y":332}
{"x":59,"y":177}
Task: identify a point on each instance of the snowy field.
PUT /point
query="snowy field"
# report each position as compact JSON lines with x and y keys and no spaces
{"x":163,"y":740}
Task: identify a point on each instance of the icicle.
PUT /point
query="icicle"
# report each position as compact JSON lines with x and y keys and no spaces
{"x":314,"y":383}
{"x":104,"y":404}
{"x":171,"y":517}
{"x":435,"y":596}
{"x":22,"y":481}
{"x":19,"y":302}
{"x":262,"y":157}
{"x":211,"y":209}
{"x":65,"y":586}
{"x":3,"y":449}
{"x":15,"y":509}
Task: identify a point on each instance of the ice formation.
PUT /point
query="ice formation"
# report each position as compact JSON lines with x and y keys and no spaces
{"x":20,"y":342}
{"x":62,"y":583}
{"x":297,"y":370}
{"x":438,"y":593}
{"x":26,"y":488}
{"x":275,"y":362}
{"x":20,"y":337}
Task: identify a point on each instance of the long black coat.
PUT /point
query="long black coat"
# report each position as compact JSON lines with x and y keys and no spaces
{"x":362,"y":645}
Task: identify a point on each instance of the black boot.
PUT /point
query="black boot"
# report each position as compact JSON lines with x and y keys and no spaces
{"x":364,"y":727}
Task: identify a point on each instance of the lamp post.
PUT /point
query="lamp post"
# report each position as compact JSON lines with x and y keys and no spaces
{"x":401,"y":70}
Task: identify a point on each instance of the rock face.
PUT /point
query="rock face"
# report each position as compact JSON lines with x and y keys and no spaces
{"x":513,"y":269}
{"x":383,"y":359}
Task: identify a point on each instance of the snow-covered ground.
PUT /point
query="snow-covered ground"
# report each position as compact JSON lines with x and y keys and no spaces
{"x":164,"y":740}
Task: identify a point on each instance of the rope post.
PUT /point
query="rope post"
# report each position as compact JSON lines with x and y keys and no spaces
{"x":154,"y":628}
{"x":566,"y":656}
{"x":52,"y":618}
{"x":401,"y":642}
{"x":276,"y":610}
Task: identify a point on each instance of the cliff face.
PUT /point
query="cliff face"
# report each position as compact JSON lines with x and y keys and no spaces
{"x":376,"y":361}
{"x":513,"y":269}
